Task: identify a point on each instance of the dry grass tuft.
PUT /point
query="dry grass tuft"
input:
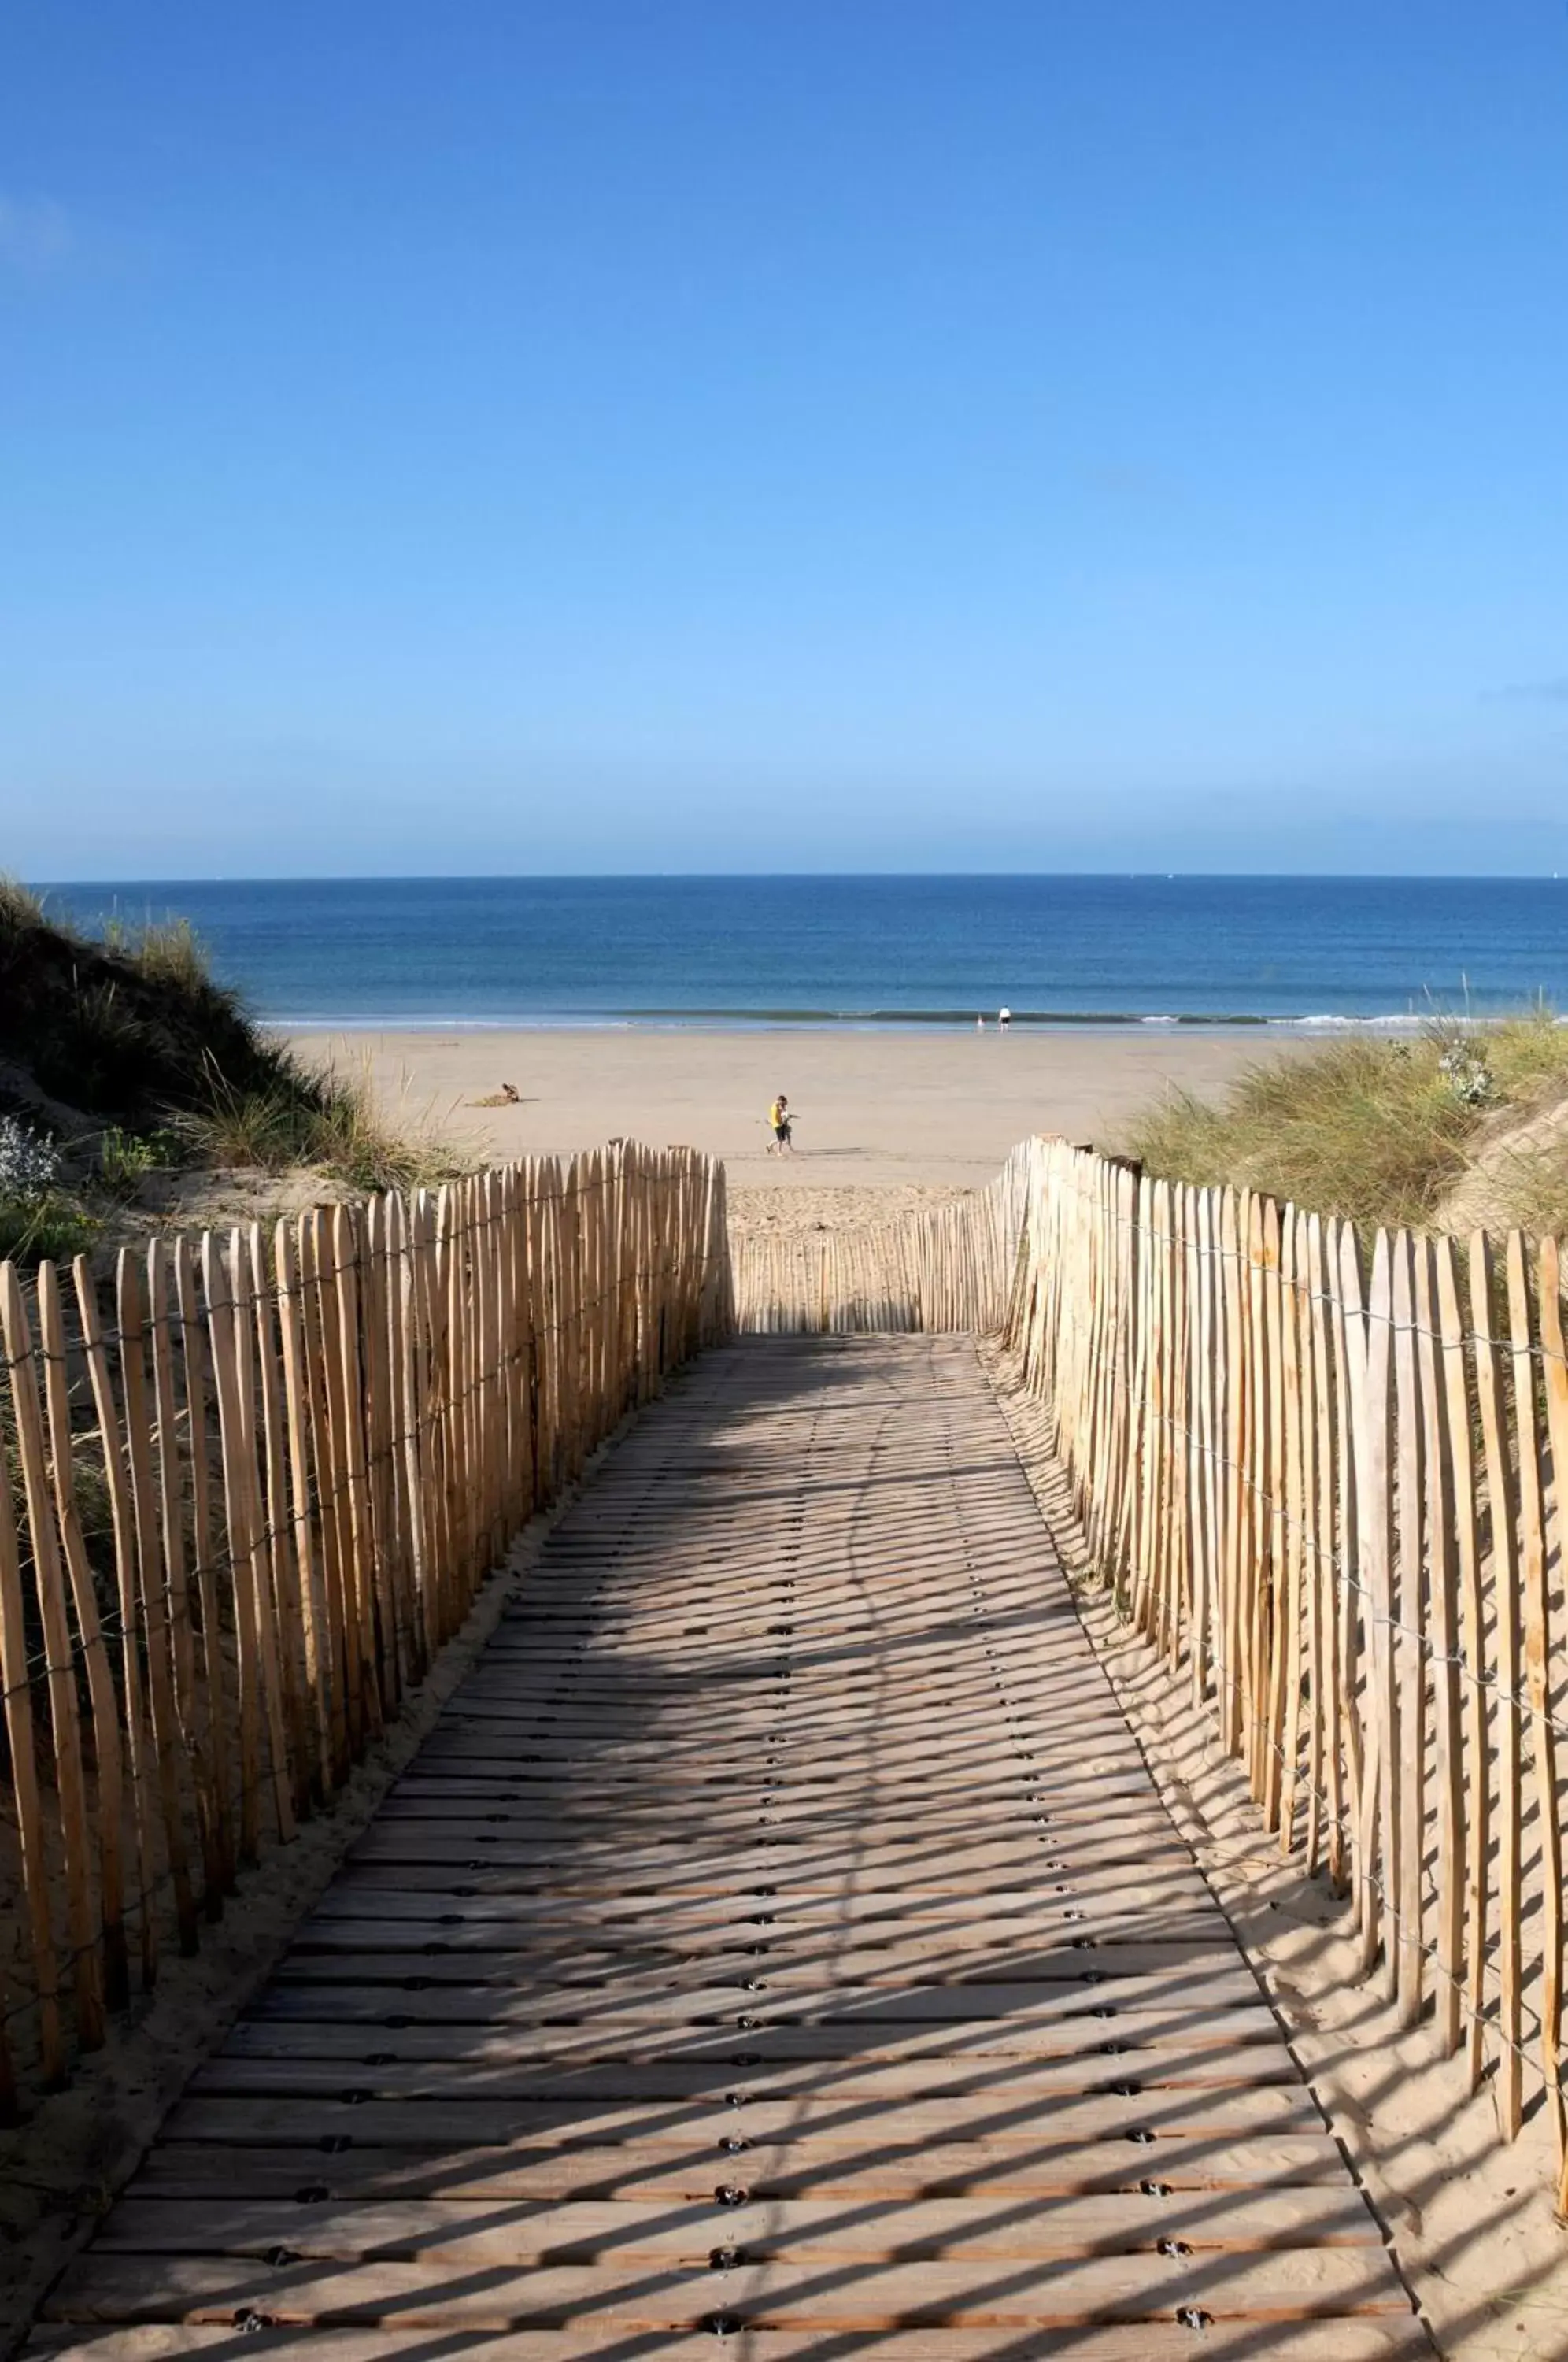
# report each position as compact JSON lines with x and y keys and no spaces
{"x":21,"y":909}
{"x":329,"y":1121}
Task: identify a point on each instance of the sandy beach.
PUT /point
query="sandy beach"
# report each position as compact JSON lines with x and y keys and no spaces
{"x":884,"y":1111}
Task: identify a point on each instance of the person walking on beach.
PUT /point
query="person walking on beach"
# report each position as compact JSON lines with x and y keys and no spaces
{"x":1004,"y":1019}
{"x":778,"y":1117}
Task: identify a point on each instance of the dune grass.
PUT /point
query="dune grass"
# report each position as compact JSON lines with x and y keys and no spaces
{"x":329,"y":1121}
{"x":131,"y":1055}
{"x":126,"y":1028}
{"x":1372,"y":1130}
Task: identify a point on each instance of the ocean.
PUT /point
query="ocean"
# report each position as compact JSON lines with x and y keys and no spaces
{"x":455,"y":951}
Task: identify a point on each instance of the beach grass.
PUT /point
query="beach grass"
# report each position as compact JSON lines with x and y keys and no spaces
{"x":124,"y":1056}
{"x":332,"y":1125}
{"x":1460,"y":1118}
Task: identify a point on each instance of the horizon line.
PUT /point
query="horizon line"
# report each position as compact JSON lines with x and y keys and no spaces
{"x":800,"y":877}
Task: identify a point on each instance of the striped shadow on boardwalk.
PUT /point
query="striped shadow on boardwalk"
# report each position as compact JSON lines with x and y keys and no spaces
{"x":777,"y":1948}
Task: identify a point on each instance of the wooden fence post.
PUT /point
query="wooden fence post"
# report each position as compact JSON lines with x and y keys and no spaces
{"x":107,"y":1753}
{"x":1501,"y":1500}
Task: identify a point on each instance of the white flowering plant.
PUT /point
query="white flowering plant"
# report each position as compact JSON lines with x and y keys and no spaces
{"x":1468,"y":1076}
{"x":29,"y":1164}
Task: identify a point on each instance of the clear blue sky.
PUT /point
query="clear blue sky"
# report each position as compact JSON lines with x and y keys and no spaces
{"x":783,"y":434}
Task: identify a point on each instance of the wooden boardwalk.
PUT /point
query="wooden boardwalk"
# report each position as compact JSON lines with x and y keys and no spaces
{"x":778,"y":1940}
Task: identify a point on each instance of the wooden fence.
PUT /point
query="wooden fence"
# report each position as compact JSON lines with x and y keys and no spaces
{"x":947,"y":1268}
{"x":1328,"y":1475}
{"x":243,"y":1507}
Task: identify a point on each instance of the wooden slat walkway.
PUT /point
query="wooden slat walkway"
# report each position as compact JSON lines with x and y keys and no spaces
{"x":780,"y":1940}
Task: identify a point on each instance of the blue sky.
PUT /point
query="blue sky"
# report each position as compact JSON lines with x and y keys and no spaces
{"x":724,"y":434}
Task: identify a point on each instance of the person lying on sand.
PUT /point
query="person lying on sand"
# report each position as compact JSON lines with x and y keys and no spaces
{"x":507,"y":1095}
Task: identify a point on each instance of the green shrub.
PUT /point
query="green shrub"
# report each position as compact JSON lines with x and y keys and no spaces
{"x":44,"y":1230}
{"x":126,"y":1158}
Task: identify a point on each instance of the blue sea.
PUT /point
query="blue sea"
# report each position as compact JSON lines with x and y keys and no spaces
{"x":456,"y":952}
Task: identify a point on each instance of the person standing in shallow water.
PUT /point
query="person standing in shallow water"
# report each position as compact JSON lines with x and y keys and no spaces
{"x":778,"y":1117}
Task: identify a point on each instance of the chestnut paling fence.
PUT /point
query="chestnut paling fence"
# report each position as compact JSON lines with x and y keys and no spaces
{"x":940,"y":1269}
{"x":1328,"y":1475}
{"x":245,"y":1502}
